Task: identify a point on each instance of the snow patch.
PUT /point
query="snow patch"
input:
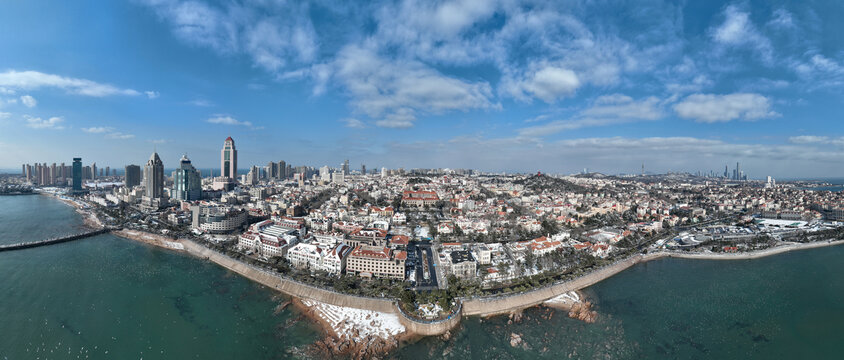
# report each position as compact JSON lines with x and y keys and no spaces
{"x":357,"y":324}
{"x":569,"y":298}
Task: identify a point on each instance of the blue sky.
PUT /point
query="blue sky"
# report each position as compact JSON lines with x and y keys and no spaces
{"x":492,"y":85}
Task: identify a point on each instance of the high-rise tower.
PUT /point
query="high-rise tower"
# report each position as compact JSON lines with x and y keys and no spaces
{"x":133,"y":176}
{"x":154,"y":177}
{"x":187,"y":183}
{"x":228,"y":159}
{"x":77,"y":174}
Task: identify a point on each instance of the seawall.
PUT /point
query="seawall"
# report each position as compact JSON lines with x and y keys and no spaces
{"x":429,"y":328}
{"x":480,"y":306}
{"x":486,"y":306}
{"x":290,"y":287}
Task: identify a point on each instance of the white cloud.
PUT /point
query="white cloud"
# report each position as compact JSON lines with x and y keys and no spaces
{"x":615,"y":155}
{"x":606,"y":110}
{"x":808,"y":139}
{"x":816,"y":140}
{"x":227,"y":120}
{"x":33,"y":80}
{"x":119,"y":136}
{"x":549,"y":84}
{"x":394,"y":92}
{"x":5,"y":115}
{"x":353,"y":123}
{"x":152,"y":94}
{"x":400,"y":119}
{"x":782,"y":18}
{"x":738,"y":31}
{"x":711,"y":108}
{"x":29,"y":101}
{"x":109,"y":132}
{"x":270,"y":33}
{"x":53,"y":123}
{"x":97,"y":129}
{"x":201,"y":103}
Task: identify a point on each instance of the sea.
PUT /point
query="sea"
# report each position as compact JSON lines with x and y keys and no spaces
{"x":106,"y":297}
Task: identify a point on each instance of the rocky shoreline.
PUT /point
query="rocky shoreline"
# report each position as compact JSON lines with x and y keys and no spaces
{"x":334,"y":345}
{"x":352,"y":344}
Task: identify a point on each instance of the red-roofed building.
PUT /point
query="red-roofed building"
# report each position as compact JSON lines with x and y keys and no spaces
{"x":419,"y":198}
{"x":376,"y":261}
{"x":385,"y":212}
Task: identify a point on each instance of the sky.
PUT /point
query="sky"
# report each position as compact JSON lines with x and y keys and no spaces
{"x":516,"y":86}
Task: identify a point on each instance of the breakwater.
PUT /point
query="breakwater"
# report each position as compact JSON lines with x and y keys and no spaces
{"x":52,"y":241}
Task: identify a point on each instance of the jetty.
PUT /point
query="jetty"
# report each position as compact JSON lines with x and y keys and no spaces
{"x":55,"y":240}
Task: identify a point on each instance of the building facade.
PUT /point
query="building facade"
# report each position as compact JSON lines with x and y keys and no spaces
{"x":376,"y":261}
{"x":77,"y":174}
{"x":228,"y":159}
{"x":133,"y":176}
{"x":187,"y":182}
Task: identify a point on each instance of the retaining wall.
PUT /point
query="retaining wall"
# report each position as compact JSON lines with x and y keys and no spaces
{"x":484,"y":306}
{"x":429,"y":328}
{"x":290,"y":287}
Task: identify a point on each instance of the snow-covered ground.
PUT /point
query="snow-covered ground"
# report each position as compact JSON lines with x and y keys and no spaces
{"x":421,"y":232}
{"x":430,"y":310}
{"x":356,"y":324}
{"x":568,"y":298}
{"x":174,"y":245}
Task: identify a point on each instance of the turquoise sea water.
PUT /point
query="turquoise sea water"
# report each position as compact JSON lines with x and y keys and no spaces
{"x":108,"y":294}
{"x":782,"y":307}
{"x":110,"y":298}
{"x":27,"y":218}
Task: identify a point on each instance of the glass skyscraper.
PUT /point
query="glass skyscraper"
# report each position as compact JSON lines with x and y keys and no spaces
{"x":77,"y":174}
{"x":187,"y":182}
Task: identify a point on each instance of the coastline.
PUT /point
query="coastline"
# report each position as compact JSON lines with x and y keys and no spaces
{"x":481,"y":306}
{"x":489,"y":306}
{"x":313,"y":301}
{"x":89,"y":218}
{"x":344,"y":319}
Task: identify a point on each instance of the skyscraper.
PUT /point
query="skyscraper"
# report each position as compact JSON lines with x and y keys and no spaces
{"x":133,"y":176}
{"x":77,"y":174}
{"x":228,"y":159}
{"x":154,"y":177}
{"x":94,"y":171}
{"x":187,"y":183}
{"x":346,"y":167}
{"x":362,"y":169}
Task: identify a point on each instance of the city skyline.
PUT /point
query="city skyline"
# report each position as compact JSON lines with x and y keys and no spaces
{"x":491,"y":86}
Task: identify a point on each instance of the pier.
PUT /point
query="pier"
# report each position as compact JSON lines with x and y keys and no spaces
{"x":56,"y":240}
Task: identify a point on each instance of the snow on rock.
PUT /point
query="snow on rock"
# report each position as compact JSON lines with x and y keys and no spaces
{"x":568,"y":298}
{"x":356,"y":324}
{"x":174,"y":245}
